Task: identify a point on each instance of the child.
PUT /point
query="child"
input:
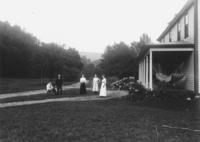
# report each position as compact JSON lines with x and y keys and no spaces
{"x":50,"y":88}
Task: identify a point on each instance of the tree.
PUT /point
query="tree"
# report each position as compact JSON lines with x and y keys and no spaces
{"x":145,"y":39}
{"x":23,"y":56}
{"x":140,"y":46}
{"x":119,"y":60}
{"x":89,"y":68}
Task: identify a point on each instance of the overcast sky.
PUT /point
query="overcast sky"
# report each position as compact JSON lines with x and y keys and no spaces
{"x":90,"y":25}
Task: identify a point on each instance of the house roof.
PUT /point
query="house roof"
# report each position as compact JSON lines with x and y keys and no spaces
{"x":171,"y":45}
{"x":182,"y":44}
{"x":188,"y":4}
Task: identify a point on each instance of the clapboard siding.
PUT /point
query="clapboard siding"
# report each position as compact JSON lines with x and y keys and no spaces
{"x":173,"y":29}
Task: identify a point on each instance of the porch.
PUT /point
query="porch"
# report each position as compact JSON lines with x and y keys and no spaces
{"x":167,"y":63}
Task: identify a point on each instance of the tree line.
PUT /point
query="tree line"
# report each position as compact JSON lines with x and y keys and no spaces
{"x":22,"y":55}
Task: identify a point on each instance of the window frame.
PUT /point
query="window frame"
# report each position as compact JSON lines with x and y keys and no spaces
{"x":170,"y":36}
{"x":186,"y":25}
{"x":178,"y":31}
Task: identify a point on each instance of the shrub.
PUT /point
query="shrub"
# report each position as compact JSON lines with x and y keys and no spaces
{"x":110,"y":80}
{"x":164,"y":97}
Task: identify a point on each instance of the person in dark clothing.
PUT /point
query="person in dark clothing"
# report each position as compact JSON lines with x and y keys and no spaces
{"x":59,"y":83}
{"x":83,"y":85}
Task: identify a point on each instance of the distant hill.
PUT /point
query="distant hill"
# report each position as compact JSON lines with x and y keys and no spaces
{"x":91,"y":55}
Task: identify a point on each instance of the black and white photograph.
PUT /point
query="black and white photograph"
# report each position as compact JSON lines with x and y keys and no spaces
{"x":100,"y":71}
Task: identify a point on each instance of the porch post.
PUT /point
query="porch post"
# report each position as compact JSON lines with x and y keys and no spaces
{"x":147,"y":72}
{"x":150,"y":71}
{"x":144,"y":72}
{"x":139,"y":72}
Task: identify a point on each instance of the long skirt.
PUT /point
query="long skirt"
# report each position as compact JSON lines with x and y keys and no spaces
{"x":95,"y":87}
{"x":103,"y":92}
{"x":83,"y":88}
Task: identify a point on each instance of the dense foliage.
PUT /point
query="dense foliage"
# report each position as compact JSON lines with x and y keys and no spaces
{"x":119,"y":60}
{"x":23,"y":56}
{"x":178,"y":98}
{"x":89,"y":68}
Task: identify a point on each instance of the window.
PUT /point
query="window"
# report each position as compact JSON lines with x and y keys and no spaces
{"x":186,"y":25}
{"x":178,"y":31}
{"x":163,"y":40}
{"x":170,"y":37}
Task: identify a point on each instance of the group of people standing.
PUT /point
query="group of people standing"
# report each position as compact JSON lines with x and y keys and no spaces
{"x":55,"y":87}
{"x":95,"y":85}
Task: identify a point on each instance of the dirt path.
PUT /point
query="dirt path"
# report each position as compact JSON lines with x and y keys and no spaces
{"x":35,"y":92}
{"x":111,"y":95}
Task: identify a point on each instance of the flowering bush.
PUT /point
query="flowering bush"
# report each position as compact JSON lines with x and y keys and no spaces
{"x":124,"y":84}
{"x":110,"y":80}
{"x":164,"y":96}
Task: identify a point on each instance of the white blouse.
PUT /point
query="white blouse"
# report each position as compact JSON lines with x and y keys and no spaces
{"x":83,"y":80}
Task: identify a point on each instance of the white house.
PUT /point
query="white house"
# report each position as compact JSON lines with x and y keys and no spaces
{"x":178,"y":48}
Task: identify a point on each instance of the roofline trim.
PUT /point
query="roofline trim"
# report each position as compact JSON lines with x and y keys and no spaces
{"x":187,"y":6}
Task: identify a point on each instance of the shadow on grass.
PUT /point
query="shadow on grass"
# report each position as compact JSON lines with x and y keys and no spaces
{"x":66,"y":93}
{"x":19,"y":85}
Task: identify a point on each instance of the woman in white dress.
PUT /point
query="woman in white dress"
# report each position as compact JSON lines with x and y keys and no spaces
{"x":95,"y":87}
{"x":103,"y":92}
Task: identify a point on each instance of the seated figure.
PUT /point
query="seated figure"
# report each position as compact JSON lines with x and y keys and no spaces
{"x":50,"y":88}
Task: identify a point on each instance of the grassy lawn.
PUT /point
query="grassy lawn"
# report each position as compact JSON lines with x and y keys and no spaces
{"x":17,"y":85}
{"x":66,"y":93}
{"x":117,"y":120}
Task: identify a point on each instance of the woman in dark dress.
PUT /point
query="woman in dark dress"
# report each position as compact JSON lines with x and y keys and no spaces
{"x":82,"y":85}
